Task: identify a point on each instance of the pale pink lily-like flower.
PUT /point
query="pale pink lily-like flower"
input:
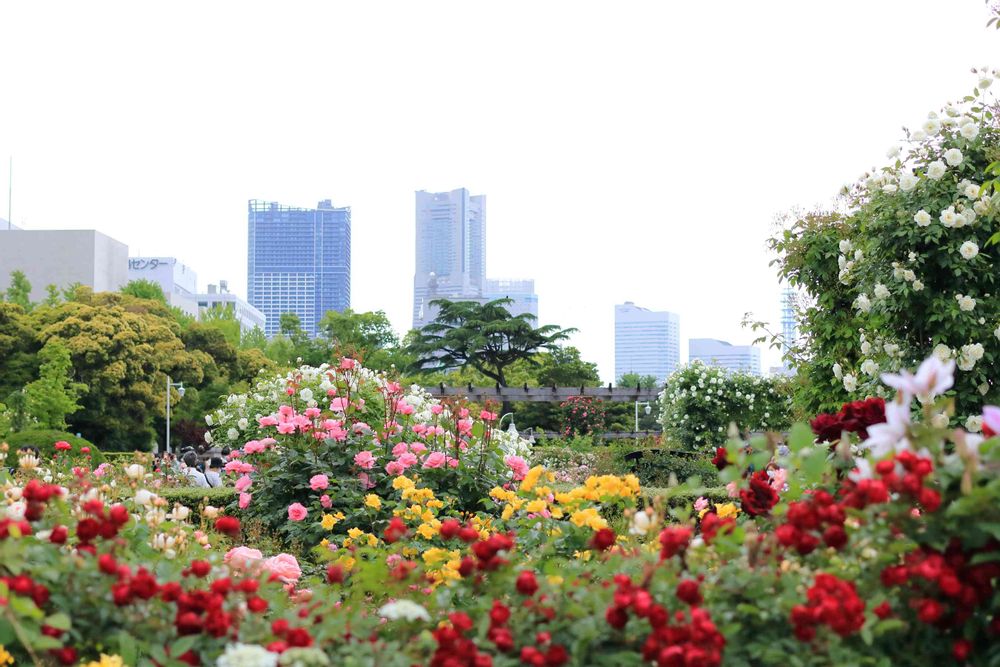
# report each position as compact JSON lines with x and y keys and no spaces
{"x":890,"y":436}
{"x":934,"y":377}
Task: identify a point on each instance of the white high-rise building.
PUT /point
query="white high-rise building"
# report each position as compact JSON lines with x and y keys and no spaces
{"x":521,"y":292}
{"x":713,"y":352}
{"x":450,"y":250}
{"x":647,"y":342}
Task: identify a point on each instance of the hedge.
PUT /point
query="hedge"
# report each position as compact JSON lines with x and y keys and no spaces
{"x":45,"y":440}
{"x":198,"y":497}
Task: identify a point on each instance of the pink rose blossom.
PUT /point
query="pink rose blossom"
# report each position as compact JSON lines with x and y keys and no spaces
{"x":239,"y":467}
{"x":270,"y":420}
{"x":406,"y":460}
{"x":778,"y":478}
{"x":437,"y":409}
{"x":253,"y":447}
{"x":732,"y":490}
{"x":339,"y":404}
{"x":347,"y":364}
{"x":245,"y":499}
{"x":365,"y":460}
{"x":487,"y":416}
{"x":243,"y":483}
{"x":517,"y":465}
{"x":297,"y":512}
{"x":400,"y":448}
{"x":700,"y":504}
{"x":267,"y":442}
{"x":325,"y":501}
{"x":240,"y":558}
{"x":283,"y":565}
{"x":286,"y":411}
{"x":319,"y":482}
{"x":435,"y":460}
{"x":395,"y":468}
{"x":366,"y":481}
{"x":286,"y":428}
{"x":418,"y":448}
{"x":453,"y":463}
{"x":991,"y":418}
{"x":312,"y":413}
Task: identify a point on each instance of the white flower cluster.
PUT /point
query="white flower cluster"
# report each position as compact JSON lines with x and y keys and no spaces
{"x":247,"y":655}
{"x":969,"y":355}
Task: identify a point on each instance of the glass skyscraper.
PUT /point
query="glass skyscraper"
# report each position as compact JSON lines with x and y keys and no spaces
{"x":298,"y":261}
{"x":713,"y":352}
{"x":450,"y":249}
{"x":647,"y":342}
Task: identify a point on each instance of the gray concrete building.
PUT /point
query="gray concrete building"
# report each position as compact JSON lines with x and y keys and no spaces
{"x":63,"y":257}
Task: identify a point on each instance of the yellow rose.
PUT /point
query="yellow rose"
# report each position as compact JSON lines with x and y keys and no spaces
{"x":328,"y":522}
{"x":373,"y":501}
{"x":402,"y":482}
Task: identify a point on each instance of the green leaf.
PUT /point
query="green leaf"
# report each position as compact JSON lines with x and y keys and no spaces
{"x":23,"y":606}
{"x":59,"y":621}
{"x":799,"y":437}
{"x":182,"y":645}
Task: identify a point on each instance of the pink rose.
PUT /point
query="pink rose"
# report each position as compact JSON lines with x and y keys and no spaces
{"x":312,"y":413}
{"x":366,"y":481}
{"x":733,"y":490}
{"x":778,"y":478}
{"x":325,"y":501}
{"x":408,"y":459}
{"x":243,"y":483}
{"x":319,"y":482}
{"x":245,"y":499}
{"x":297,"y":512}
{"x":253,"y":447}
{"x":452,"y":462}
{"x":339,"y":404}
{"x":241,"y":558}
{"x":270,"y":420}
{"x":435,"y":460}
{"x":283,"y":565}
{"x":239,"y":467}
{"x":365,"y":460}
{"x":418,"y":448}
{"x":517,"y":465}
{"x":286,"y":428}
{"x":347,"y":364}
{"x":991,"y":420}
{"x":395,"y":468}
{"x":437,"y":409}
{"x":400,"y":449}
{"x":700,"y":504}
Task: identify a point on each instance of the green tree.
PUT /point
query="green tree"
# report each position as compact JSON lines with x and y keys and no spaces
{"x":54,"y":395}
{"x":631,"y":380}
{"x":17,"y":410}
{"x":253,"y":339}
{"x":53,"y":296}
{"x":368,"y":336}
{"x":224,"y":320}
{"x":484,"y":336}
{"x":144,"y":289}
{"x":18,"y":348}
{"x":19,"y":290}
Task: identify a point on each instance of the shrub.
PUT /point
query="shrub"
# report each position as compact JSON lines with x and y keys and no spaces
{"x":45,"y":440}
{"x":197,"y":498}
{"x":654,"y":466}
{"x":581,"y":415}
{"x":699,"y":402}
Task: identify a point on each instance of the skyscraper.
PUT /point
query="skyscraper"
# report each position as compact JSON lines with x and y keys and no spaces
{"x":647,"y":342}
{"x":521,"y":292}
{"x":789,"y":325}
{"x":298,"y":261}
{"x":713,"y":352}
{"x":450,"y":249}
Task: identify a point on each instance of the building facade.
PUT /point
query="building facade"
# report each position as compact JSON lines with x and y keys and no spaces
{"x":522,"y":292}
{"x":789,"y":323}
{"x":219,"y":296}
{"x":298,"y":261}
{"x":647,"y":342}
{"x":713,"y":352}
{"x":450,"y":249}
{"x":177,"y":280}
{"x":63,"y":258}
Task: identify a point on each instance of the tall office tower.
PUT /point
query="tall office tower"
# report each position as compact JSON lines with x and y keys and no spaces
{"x":789,"y":325}
{"x":647,"y":342}
{"x":450,"y":250}
{"x":298,"y":261}
{"x":715,"y":352}
{"x":521,"y":292}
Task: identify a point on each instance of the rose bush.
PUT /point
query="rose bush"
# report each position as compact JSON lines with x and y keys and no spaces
{"x":699,"y":403}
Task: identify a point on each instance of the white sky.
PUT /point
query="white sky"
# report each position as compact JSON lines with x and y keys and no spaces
{"x":628,"y":150}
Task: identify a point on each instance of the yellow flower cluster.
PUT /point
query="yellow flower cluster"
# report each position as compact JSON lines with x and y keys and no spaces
{"x":5,"y":657}
{"x":589,"y":517}
{"x":725,"y":510}
{"x":360,"y":537}
{"x":105,"y":661}
{"x":330,"y":520}
{"x":601,"y":489}
{"x":449,"y":563}
{"x":373,"y":501}
{"x":533,"y":476}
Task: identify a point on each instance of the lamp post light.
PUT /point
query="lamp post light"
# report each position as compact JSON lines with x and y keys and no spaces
{"x":512,"y":428}
{"x":180,"y":394}
{"x":647,"y":410}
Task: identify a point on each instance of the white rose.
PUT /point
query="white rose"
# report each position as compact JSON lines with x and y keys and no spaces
{"x":948,"y":217}
{"x":892,"y":152}
{"x":404,"y":609}
{"x":15,"y":511}
{"x":907,"y":181}
{"x":953,"y":157}
{"x":181,"y":512}
{"x":889,"y":188}
{"x":306,"y":394}
{"x":144,"y":497}
{"x":971,"y":190}
{"x":966,"y":120}
{"x":232,"y":434}
{"x":838,"y":372}
{"x":208,"y":437}
{"x":935,"y":170}
{"x":974,"y":424}
{"x":931,"y":126}
{"x":891,"y":349}
{"x":918,"y":135}
{"x":965,"y":302}
{"x":846,"y":246}
{"x":974,"y":351}
{"x":881,"y":291}
{"x":981,"y":207}
{"x":208,"y":420}
{"x":909,"y":276}
{"x":969,"y":131}
{"x":850,"y":383}
{"x":135,"y":471}
{"x":918,"y":285}
{"x":922,"y":218}
{"x":858,"y":255}
{"x":862,"y":303}
{"x":866,"y":347}
{"x":967,"y":217}
{"x":942,"y":352}
{"x":869,"y":367}
{"x":969,"y":249}
{"x":210,"y":512}
{"x":940,"y":420}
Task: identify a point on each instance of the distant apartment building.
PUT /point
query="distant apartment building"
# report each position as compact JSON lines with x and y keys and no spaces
{"x":789,"y":324}
{"x":219,"y":296}
{"x":450,"y":250}
{"x":62,"y":258}
{"x":177,"y":280}
{"x":647,"y":342}
{"x":713,"y":352}
{"x":298,"y":261}
{"x":521,"y":292}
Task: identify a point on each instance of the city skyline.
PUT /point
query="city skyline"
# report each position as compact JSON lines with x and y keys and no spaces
{"x":602,"y":198}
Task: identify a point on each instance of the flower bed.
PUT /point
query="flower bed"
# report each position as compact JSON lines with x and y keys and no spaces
{"x":889,"y":558}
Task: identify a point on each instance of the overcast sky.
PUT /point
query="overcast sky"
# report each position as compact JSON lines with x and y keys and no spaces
{"x":628,"y":150}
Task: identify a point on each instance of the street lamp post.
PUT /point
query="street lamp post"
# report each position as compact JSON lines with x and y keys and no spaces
{"x":647,"y":410}
{"x":180,"y":394}
{"x":500,"y":423}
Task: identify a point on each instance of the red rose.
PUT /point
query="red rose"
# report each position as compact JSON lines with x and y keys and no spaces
{"x":106,"y":564}
{"x":257,"y":605}
{"x":395,"y":531}
{"x":827,"y":427}
{"x":929,"y":611}
{"x":228,"y":525}
{"x":616,"y":617}
{"x":883,"y":611}
{"x":449,"y":528}
{"x":760,"y":497}
{"x":687,"y":591}
{"x":835,"y":537}
{"x":526,"y":583}
{"x":58,"y":535}
{"x":335,"y":574}
{"x":603,"y":539}
{"x":87,"y":529}
{"x":118,"y":514}
{"x":961,"y":649}
{"x":556,"y":656}
{"x":200,"y":568}
{"x":720,"y":460}
{"x":673,"y":540}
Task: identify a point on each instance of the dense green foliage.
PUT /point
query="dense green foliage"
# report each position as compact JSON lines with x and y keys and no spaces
{"x":45,"y":440}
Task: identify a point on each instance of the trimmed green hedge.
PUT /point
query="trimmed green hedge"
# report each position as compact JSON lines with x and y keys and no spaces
{"x":45,"y":440}
{"x":654,"y":466}
{"x":196,"y":498}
